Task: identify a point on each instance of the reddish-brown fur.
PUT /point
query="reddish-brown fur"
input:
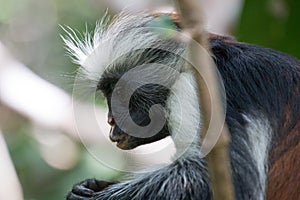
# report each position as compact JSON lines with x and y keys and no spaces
{"x":284,"y":173}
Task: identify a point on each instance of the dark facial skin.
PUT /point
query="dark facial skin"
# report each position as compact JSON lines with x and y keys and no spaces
{"x":126,"y":142}
{"x":139,"y":106}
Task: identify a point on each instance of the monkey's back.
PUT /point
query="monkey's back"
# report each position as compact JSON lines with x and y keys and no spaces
{"x":264,"y":81}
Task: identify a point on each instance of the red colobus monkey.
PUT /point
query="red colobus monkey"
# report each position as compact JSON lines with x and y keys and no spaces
{"x":263,"y":111}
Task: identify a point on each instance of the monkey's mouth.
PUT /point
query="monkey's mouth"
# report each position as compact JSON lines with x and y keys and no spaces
{"x":123,"y":146}
{"x":125,"y":143}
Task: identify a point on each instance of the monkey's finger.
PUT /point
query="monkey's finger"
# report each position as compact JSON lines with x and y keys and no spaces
{"x":95,"y":185}
{"x":100,"y":185}
{"x":72,"y":196}
{"x":82,"y":191}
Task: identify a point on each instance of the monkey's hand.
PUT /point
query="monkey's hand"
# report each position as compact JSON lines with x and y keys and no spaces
{"x":87,"y":189}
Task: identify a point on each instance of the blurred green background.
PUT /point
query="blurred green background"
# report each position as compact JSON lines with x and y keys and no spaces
{"x":30,"y":30}
{"x":271,"y":23}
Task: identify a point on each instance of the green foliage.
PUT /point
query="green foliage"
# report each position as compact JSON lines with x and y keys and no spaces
{"x":273,"y":24}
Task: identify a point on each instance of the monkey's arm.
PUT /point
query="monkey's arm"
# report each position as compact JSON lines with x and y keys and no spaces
{"x":184,"y":179}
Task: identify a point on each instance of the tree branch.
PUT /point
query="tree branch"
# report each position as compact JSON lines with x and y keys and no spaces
{"x":205,"y":74}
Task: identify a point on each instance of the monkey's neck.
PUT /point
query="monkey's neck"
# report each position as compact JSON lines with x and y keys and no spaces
{"x":184,"y":115}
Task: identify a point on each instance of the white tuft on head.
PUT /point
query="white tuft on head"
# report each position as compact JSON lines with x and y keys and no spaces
{"x":81,"y":47}
{"x":114,"y":43}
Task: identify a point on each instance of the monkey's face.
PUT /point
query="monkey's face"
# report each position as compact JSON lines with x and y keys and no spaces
{"x":141,"y":100}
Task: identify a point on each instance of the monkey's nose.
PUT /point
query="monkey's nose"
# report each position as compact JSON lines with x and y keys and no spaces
{"x":111,"y":121}
{"x":113,"y":135}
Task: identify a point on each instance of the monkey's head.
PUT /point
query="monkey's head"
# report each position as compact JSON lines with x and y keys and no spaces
{"x":140,"y":103}
{"x":134,"y":45}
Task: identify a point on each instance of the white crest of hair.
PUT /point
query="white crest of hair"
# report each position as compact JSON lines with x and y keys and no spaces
{"x":79,"y":46}
{"x":108,"y":45}
{"x":184,"y":115}
{"x":259,"y":133}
